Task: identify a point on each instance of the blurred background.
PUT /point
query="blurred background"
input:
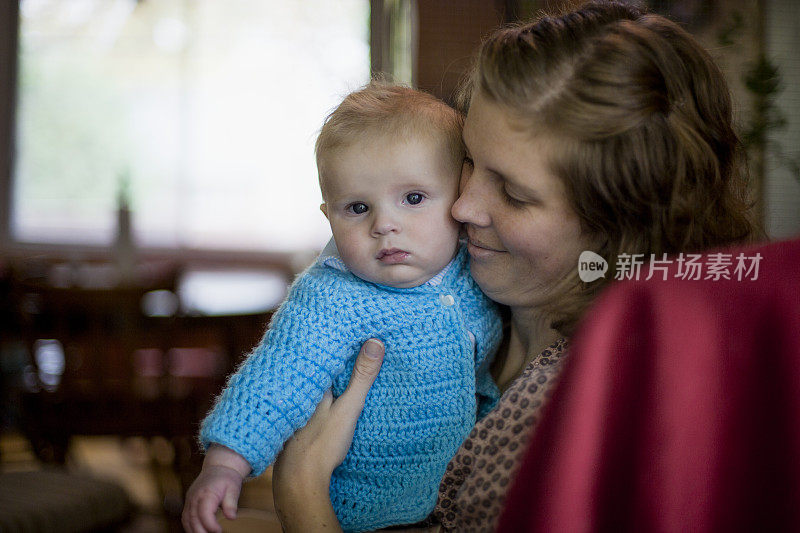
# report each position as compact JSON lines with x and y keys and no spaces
{"x":158,"y":192}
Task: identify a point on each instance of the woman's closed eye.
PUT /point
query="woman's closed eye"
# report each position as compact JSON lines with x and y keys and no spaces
{"x":511,"y":200}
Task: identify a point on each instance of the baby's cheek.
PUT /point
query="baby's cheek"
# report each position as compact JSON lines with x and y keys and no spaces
{"x":352,"y":255}
{"x":346,"y":253}
{"x":450,"y":226}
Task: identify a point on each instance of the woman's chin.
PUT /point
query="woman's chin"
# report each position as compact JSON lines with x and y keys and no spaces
{"x":487,"y":278}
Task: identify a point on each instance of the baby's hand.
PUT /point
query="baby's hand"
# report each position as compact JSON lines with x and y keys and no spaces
{"x":218,"y":485}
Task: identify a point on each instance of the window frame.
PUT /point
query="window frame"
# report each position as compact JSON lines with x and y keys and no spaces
{"x":9,"y":30}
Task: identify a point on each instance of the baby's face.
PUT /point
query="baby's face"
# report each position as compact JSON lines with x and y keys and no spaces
{"x":388,"y":202}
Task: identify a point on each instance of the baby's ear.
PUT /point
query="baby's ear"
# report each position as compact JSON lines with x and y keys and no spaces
{"x":324,"y":208}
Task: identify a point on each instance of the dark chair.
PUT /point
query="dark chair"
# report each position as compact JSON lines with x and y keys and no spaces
{"x":54,"y":501}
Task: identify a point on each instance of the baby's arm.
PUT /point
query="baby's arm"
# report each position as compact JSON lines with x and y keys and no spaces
{"x":218,"y":485}
{"x":274,"y":392}
{"x":301,"y":481}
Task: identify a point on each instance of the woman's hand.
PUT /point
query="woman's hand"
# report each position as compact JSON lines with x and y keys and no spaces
{"x":302,"y":473}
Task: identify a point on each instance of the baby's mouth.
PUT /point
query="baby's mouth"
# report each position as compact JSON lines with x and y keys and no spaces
{"x":392,"y":256}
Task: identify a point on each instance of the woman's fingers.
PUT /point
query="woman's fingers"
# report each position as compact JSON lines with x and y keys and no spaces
{"x":327,"y":399}
{"x":316,"y":424}
{"x":323,"y":443}
{"x":368,"y":364}
{"x":301,"y":477}
{"x":328,"y":434}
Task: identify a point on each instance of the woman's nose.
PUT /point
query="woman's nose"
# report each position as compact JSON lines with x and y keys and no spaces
{"x":470,"y":207}
{"x":384,"y":224}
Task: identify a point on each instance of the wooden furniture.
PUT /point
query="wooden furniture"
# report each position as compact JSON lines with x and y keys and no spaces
{"x":121,"y":372}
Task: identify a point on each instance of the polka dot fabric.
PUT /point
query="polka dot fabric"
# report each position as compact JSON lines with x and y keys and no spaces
{"x":473,"y":488}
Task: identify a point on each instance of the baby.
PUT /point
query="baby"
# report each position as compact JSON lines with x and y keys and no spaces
{"x":389,"y":161}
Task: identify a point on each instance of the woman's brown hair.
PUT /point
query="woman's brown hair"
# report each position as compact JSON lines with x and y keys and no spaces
{"x":639,"y":123}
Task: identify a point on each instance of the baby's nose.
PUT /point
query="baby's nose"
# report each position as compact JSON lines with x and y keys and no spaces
{"x":384,"y":225}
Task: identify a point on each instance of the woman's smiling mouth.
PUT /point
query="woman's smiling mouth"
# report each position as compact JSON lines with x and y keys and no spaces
{"x":478,"y":249}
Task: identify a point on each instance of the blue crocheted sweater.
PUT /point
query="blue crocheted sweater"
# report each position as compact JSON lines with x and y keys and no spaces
{"x":434,"y":382}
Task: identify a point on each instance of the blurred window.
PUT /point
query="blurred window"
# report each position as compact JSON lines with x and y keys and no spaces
{"x":203,"y":113}
{"x":230,"y":292}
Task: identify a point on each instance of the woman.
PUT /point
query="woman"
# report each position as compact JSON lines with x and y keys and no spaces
{"x":604,"y":129}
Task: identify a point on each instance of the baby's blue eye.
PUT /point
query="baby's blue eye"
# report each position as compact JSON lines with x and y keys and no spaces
{"x":359,"y":208}
{"x":414,"y":198}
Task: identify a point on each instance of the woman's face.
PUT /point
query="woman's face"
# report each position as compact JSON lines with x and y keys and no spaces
{"x":523,"y":236}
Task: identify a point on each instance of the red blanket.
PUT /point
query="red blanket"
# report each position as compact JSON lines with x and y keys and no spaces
{"x":679,"y":409}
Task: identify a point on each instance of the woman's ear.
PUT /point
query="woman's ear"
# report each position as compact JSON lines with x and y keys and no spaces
{"x":324,"y":208}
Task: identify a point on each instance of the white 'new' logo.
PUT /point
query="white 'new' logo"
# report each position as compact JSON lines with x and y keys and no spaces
{"x":591,"y":266}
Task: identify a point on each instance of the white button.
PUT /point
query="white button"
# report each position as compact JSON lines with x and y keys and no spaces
{"x":446,"y":300}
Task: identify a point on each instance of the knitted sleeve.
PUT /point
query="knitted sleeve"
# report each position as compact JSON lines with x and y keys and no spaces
{"x":275,"y":391}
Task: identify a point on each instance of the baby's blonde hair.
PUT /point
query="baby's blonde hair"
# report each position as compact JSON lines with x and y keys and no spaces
{"x":380,"y":109}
